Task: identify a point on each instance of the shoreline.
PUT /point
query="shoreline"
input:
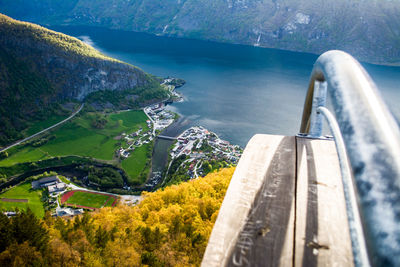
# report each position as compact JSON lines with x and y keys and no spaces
{"x":162,"y":156}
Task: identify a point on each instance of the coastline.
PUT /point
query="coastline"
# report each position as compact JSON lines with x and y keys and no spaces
{"x":173,"y":134}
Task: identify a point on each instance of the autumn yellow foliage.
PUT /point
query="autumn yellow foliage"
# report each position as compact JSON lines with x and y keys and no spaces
{"x":62,"y":41}
{"x":169,"y":227}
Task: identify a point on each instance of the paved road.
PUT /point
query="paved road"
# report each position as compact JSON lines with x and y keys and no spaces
{"x":151,"y":119}
{"x":45,"y":130}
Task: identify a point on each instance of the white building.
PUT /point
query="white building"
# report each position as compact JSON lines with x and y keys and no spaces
{"x":68,"y":212}
{"x":57,"y":187}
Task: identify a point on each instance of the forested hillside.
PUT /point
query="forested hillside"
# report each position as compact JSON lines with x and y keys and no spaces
{"x":169,"y":227}
{"x":368,"y":30}
{"x":39,"y":69}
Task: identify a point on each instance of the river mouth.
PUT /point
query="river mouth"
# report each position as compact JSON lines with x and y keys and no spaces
{"x":161,"y":146}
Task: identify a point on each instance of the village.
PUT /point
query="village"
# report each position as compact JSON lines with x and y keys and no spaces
{"x":64,"y":198}
{"x":159,"y":119}
{"x":203,"y":151}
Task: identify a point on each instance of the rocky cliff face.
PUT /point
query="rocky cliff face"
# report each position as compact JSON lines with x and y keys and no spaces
{"x":72,"y":68}
{"x":370,"y":30}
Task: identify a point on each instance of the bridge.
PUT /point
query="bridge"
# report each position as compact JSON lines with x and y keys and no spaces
{"x":314,"y":200}
{"x":166,"y":137}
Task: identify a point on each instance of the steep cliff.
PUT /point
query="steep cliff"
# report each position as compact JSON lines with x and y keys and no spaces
{"x":370,"y":30}
{"x":40,"y":68}
{"x":73,"y":68}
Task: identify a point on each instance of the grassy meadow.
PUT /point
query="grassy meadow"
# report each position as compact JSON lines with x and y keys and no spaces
{"x":136,"y":163}
{"x":23,"y":191}
{"x":78,"y":137}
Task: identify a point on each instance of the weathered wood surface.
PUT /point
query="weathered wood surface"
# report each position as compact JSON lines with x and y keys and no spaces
{"x":255,"y":223}
{"x":322,"y":231}
{"x":284,"y":207}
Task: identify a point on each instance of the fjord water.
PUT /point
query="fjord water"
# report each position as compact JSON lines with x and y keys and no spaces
{"x":236,"y":91}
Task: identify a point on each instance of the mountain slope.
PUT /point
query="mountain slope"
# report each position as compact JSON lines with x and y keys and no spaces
{"x":169,"y":227}
{"x":40,"y":68}
{"x":370,"y":30}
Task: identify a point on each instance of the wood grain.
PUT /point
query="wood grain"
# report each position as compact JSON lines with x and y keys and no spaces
{"x":256,"y":220}
{"x":285,"y":206}
{"x":322,"y":232}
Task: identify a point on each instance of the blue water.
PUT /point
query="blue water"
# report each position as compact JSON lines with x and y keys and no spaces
{"x":236,"y":91}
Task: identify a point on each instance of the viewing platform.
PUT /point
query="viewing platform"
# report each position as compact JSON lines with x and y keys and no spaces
{"x":285,"y":206}
{"x":311,"y":200}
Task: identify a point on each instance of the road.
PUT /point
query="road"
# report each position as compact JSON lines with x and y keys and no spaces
{"x":151,"y":119}
{"x":45,"y":130}
{"x":196,"y":167}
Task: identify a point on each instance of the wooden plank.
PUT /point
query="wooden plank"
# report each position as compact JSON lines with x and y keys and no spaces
{"x":322,"y":234}
{"x":255,"y":225}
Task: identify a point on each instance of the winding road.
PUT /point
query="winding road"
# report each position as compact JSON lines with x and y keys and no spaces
{"x":45,"y":130}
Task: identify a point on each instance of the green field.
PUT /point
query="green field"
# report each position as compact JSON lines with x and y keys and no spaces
{"x":135,"y":164}
{"x":91,"y":200}
{"x":26,"y":154}
{"x":131,"y":119}
{"x":37,"y":127}
{"x":78,"y":137}
{"x":23,"y":191}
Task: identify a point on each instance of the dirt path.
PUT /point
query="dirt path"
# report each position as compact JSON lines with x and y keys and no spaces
{"x":13,"y":200}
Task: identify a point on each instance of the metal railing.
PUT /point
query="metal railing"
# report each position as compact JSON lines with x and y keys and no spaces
{"x":368,"y":143}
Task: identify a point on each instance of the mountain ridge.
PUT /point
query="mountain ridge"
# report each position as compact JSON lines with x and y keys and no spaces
{"x":369,"y":30}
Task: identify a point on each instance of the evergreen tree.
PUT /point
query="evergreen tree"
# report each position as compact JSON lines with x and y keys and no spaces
{"x":6,"y":236}
{"x":27,"y":227}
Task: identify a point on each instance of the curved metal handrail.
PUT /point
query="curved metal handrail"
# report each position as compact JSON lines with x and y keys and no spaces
{"x":360,"y":254}
{"x":372,"y":140}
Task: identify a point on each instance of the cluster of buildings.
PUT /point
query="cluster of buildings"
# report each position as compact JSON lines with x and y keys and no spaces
{"x":134,"y":140}
{"x":201,"y":145}
{"x":55,"y":187}
{"x":62,"y":211}
{"x":198,"y":142}
{"x":52,"y":183}
{"x":159,"y":117}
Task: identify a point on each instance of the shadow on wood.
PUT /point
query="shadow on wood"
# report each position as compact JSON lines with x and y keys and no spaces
{"x":284,"y":207}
